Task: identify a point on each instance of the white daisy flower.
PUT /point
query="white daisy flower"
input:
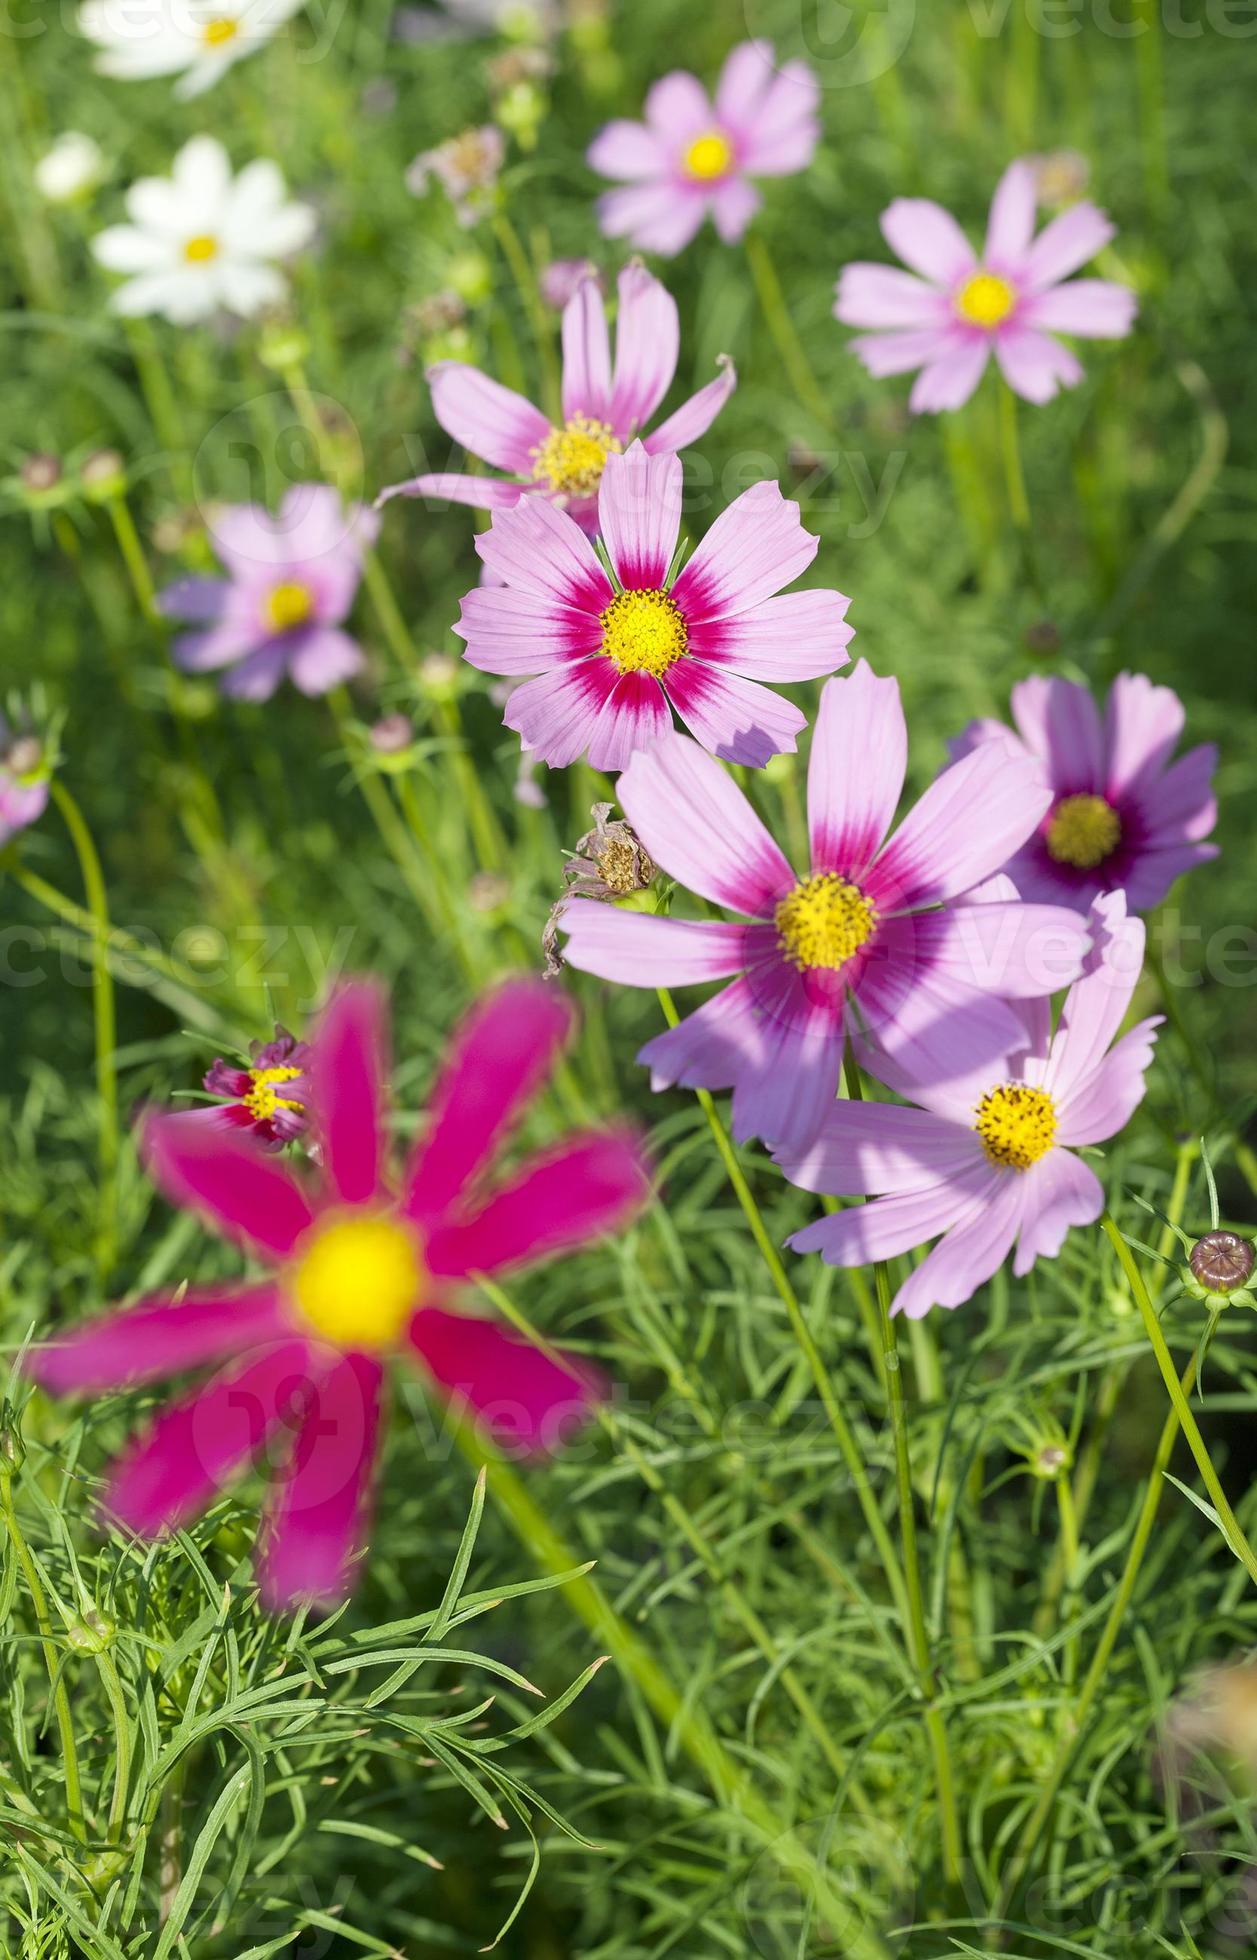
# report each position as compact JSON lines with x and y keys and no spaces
{"x":198,"y":39}
{"x":201,"y":239}
{"x":71,"y":169}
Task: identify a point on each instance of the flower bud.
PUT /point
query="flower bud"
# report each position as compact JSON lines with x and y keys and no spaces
{"x":1222,"y":1262}
{"x":391,"y":734}
{"x":103,"y":476}
{"x":40,"y":473}
{"x":92,"y":1633}
{"x":12,"y":1450}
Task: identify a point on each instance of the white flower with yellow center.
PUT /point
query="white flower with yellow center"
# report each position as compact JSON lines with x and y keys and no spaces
{"x":201,"y":239}
{"x":198,"y":40}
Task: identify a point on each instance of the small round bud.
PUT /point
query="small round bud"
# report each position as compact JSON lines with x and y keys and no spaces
{"x":1043,"y":639}
{"x":91,"y":1634}
{"x":487,"y":891}
{"x":1050,"y":1461}
{"x":439,"y":673}
{"x":1221,"y":1262}
{"x":391,"y":734}
{"x":103,"y":475}
{"x":40,"y":473}
{"x":282,"y":346}
{"x":12,"y":1451}
{"x":24,"y":756}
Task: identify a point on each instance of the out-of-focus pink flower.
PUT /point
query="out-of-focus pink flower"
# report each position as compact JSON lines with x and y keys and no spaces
{"x":612,"y":660}
{"x":25,"y":770}
{"x":561,"y":280}
{"x":467,"y":166}
{"x":886,"y":937}
{"x":291,"y":582}
{"x":693,"y":157}
{"x":605,"y":405}
{"x":268,"y":1096}
{"x":954,"y":309}
{"x":364,"y":1267}
{"x":1124,"y":816}
{"x":990,"y":1162}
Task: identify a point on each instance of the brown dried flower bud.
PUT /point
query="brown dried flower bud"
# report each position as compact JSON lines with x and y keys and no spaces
{"x":1222,"y":1261}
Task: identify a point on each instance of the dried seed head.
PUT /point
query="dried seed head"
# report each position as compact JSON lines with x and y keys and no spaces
{"x":40,"y":473}
{"x":1222,"y":1261}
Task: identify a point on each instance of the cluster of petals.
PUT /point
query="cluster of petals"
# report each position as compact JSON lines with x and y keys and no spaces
{"x":990,"y":1162}
{"x":908,"y":955}
{"x":268,"y":1096}
{"x":610,"y":660}
{"x":945,"y":317}
{"x":363,"y":1267}
{"x":694,"y":156}
{"x":291,"y":581}
{"x":607,"y":402}
{"x":198,"y":40}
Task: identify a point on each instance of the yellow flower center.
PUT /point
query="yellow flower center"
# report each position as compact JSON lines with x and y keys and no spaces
{"x":288,"y":605}
{"x":823,"y":921}
{"x":358,"y":1279}
{"x":1084,"y":831}
{"x":262,"y":1101}
{"x":644,"y":633}
{"x":204,"y":246}
{"x":217,"y":33}
{"x":709,"y":156}
{"x":985,"y":300}
{"x":1017,"y":1125}
{"x":571,"y":459}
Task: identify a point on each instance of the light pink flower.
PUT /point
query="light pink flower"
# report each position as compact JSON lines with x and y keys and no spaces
{"x":611,"y":660}
{"x":1124,"y":816}
{"x":365,"y":1267}
{"x":693,"y":157}
{"x":883,"y":936}
{"x":605,"y":405}
{"x":26,"y":765}
{"x":291,"y":580}
{"x":989,"y":1162}
{"x":954,"y":309}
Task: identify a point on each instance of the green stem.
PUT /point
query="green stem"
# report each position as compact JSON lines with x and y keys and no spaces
{"x":784,"y":332}
{"x":122,"y":1744}
{"x":133,"y":558}
{"x":1014,"y":478}
{"x":60,"y":1694}
{"x":530,"y":293}
{"x":104,"y":1015}
{"x":1230,"y":1523}
{"x":1150,"y":81}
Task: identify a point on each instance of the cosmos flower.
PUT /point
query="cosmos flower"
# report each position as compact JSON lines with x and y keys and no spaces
{"x":364,"y":1267}
{"x":1123,"y":816}
{"x":954,"y":309}
{"x":693,"y":157}
{"x":291,"y":580}
{"x":26,"y":765}
{"x":605,"y":405}
{"x":612,"y":660}
{"x":268,"y":1096}
{"x":202,"y":239}
{"x":71,"y":169}
{"x":882,"y":937}
{"x":989,"y":1162}
{"x":467,"y":168}
{"x":197,"y":40}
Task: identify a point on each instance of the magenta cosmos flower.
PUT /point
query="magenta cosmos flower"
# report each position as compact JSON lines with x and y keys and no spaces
{"x":267,"y":1095}
{"x":363,"y":1267}
{"x":291,"y":580}
{"x":693,"y":157}
{"x":1123,"y":815}
{"x":989,"y":1162}
{"x":606,"y":404}
{"x":875,"y":938}
{"x":962,"y":308}
{"x":611,"y":658}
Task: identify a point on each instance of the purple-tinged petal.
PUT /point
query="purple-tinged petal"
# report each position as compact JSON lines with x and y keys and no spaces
{"x":628,"y":151}
{"x":241,"y":1191}
{"x":855,"y":775}
{"x":709,"y":1048}
{"x":499,"y":1057}
{"x":1034,"y":365}
{"x":949,"y":381}
{"x":1069,"y":241}
{"x":733,"y":205}
{"x":316,"y":1520}
{"x":644,"y":951}
{"x":512,"y":632}
{"x":157,"y":1338}
{"x":679,"y":108}
{"x":1095,"y":309}
{"x":736,"y":719}
{"x":584,"y":1188}
{"x":1059,"y":722}
{"x":882,"y":296}
{"x":661,"y":216}
{"x":798,"y":636}
{"x":1096,"y":1004}
{"x":769,"y":111}
{"x":754,"y":549}
{"x":969,"y":1253}
{"x":965,"y":828}
{"x":885,"y":1227}
{"x":491,"y":421}
{"x":1142,"y":724}
{"x":634,"y":715}
{"x":542,"y":551}
{"x":518,"y":1393}
{"x":324,"y":658}
{"x":348,"y":1071}
{"x":699,"y":828}
{"x":926,"y":1031}
{"x":586,"y":354}
{"x":647,"y":347}
{"x":1059,"y":1191}
{"x":694,"y":417}
{"x":454,"y":487}
{"x":194,"y":598}
{"x":258,"y":674}
{"x":928,"y":240}
{"x":1010,"y":227}
{"x":639,"y":516}
{"x":787,"y":1082}
{"x":1104,"y":1102}
{"x":1018,"y":951}
{"x":864,"y":1149}
{"x":902,"y":350}
{"x":558,"y":715}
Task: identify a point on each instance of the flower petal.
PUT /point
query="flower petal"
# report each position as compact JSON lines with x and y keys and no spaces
{"x":658,"y":216}
{"x":647,"y":346}
{"x":754,"y":549}
{"x":157,"y":1338}
{"x":864,"y":1149}
{"x":348,"y":1070}
{"x":323,"y":658}
{"x":856,"y":771}
{"x":1104,"y":1101}
{"x":634,"y":715}
{"x":521,"y":1395}
{"x":698,"y":827}
{"x":1034,"y":365}
{"x":639,"y":515}
{"x":1018,"y":951}
{"x":1095,"y":309}
{"x":1059,"y":722}
{"x":641,"y":951}
{"x":241,"y":1190}
{"x":453,"y":487}
{"x":1069,"y":241}
{"x":1011,"y":224}
{"x":694,"y":417}
{"x":735,"y":718}
{"x":540,"y":550}
{"x":1142,"y":723}
{"x":628,"y":151}
{"x":584,"y":1188}
{"x":1060,"y":1191}
{"x":928,"y":239}
{"x":948,"y":381}
{"x":316,"y":1520}
{"x":885,"y":1227}
{"x":512,"y":632}
{"x":491,"y":421}
{"x":969,"y":1252}
{"x":965,"y":827}
{"x":557,"y":716}
{"x":871,"y":295}
{"x":586,"y":354}
{"x":798,"y":636}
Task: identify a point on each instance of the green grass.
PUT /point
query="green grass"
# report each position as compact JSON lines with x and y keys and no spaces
{"x":752,"y":1773}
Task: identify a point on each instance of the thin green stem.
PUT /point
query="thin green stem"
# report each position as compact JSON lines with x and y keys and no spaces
{"x":1015,"y":481}
{"x":1231,"y":1527}
{"x":133,"y":558}
{"x":47,"y":1641}
{"x":122,"y":1744}
{"x":530,"y":293}
{"x":785,"y":335}
{"x":104,"y":1015}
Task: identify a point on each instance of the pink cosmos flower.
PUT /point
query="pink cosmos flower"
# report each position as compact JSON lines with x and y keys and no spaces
{"x":363,"y":1267}
{"x":605,"y":405}
{"x":882,"y":937}
{"x":989,"y":1162}
{"x":962,"y":308}
{"x":268,"y":1097}
{"x":612,"y":659}
{"x":1123,"y":815}
{"x":291,"y":580}
{"x":692,"y":157}
{"x":25,"y":771}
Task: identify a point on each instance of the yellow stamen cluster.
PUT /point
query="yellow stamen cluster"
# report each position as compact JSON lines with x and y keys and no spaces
{"x":358,"y":1278}
{"x":288,"y":605}
{"x":1084,"y":830}
{"x":217,"y":33}
{"x":709,"y":156}
{"x":571,"y":459}
{"x":262,"y":1100}
{"x":985,"y":300}
{"x":1017,"y":1125}
{"x":823,"y":921}
{"x":201,"y":248}
{"x":643,"y":633}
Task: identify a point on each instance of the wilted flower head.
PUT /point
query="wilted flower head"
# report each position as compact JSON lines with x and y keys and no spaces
{"x":195,"y":39}
{"x":609,"y":862}
{"x":1060,"y":177}
{"x":266,"y":1096}
{"x":467,"y":166}
{"x":71,"y":169}
{"x":28,"y":757}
